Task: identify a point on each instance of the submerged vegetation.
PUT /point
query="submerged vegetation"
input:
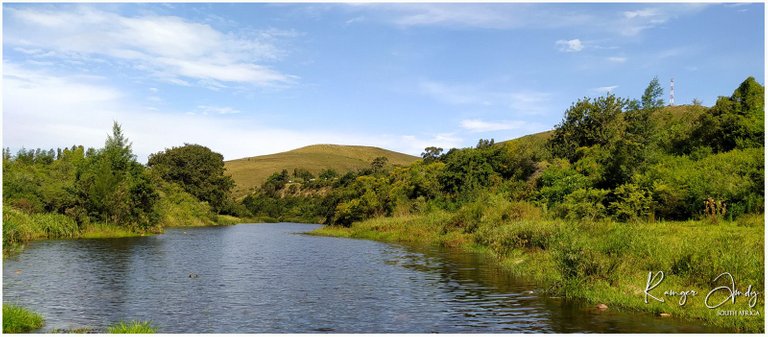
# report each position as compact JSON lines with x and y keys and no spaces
{"x":18,"y":320}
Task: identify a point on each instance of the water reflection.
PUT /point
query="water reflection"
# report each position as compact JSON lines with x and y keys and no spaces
{"x":266,"y":278}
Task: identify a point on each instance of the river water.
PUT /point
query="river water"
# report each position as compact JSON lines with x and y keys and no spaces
{"x":255,"y":278}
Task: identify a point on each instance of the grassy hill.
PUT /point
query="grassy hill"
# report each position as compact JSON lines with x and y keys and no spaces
{"x":253,"y":171}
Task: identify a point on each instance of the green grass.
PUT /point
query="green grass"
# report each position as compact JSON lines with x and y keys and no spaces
{"x":132,"y":327}
{"x":104,"y":231}
{"x":18,"y":320}
{"x":601,"y":262}
{"x":251,"y":172}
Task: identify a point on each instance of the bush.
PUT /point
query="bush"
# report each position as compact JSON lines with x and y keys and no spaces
{"x":583,"y":204}
{"x":632,"y":202}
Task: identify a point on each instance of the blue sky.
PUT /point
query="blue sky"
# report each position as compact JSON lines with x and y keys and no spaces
{"x":251,"y":79}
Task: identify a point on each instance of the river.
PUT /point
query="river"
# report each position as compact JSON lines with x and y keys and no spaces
{"x":255,"y":278}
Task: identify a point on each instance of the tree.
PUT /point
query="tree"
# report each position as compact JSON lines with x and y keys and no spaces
{"x":733,"y":122}
{"x":431,"y":154}
{"x":653,"y":97}
{"x":588,"y":122}
{"x":378,"y":164}
{"x":483,"y":143}
{"x":112,"y":187}
{"x":198,"y":170}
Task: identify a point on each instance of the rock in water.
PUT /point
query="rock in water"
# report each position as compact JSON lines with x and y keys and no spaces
{"x":601,"y":307}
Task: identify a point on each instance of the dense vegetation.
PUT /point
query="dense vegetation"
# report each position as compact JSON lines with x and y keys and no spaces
{"x":585,"y":210}
{"x":78,"y":192}
{"x":610,"y":157}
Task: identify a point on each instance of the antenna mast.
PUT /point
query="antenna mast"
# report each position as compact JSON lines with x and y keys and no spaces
{"x":672,"y":92}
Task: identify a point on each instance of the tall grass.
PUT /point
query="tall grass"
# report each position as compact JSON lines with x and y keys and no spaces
{"x":132,"y":327}
{"x":600,"y":262}
{"x":17,"y":319}
{"x":20,"y":227}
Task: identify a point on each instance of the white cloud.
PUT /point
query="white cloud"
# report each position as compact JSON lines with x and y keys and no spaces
{"x":167,"y":47}
{"x":488,"y":16}
{"x":606,"y":89}
{"x":570,"y":46}
{"x":477,"y":125}
{"x":636,"y":21}
{"x":43,"y":109}
{"x":617,"y":59}
{"x":519,"y":101}
{"x":210,"y":109}
{"x":416,"y":145}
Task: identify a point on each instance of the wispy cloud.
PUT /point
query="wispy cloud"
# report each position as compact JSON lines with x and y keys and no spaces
{"x":605,"y":89}
{"x":518,"y":101}
{"x":570,"y":46}
{"x":633,"y":22}
{"x":45,"y":109}
{"x":488,"y":16}
{"x":528,"y":16}
{"x":167,"y":47}
{"x":617,"y":59}
{"x":214,"y":110}
{"x":416,"y":144}
{"x":477,"y":125}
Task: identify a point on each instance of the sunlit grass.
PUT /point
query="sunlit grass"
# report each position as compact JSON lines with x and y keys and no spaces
{"x":17,"y":319}
{"x":602,"y":262}
{"x":132,"y":327}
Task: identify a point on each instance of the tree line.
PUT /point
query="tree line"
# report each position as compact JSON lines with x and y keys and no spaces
{"x":108,"y":185}
{"x":609,"y":157}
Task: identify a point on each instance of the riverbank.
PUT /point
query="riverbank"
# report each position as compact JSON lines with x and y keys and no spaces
{"x":604,"y":262}
{"x":20,"y":320}
{"x":19,"y":228}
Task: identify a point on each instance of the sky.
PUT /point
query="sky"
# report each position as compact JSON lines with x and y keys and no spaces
{"x":250,"y":79}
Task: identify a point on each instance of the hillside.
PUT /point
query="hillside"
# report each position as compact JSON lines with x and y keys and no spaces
{"x":253,"y":171}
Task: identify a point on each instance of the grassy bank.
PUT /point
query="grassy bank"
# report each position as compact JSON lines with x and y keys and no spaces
{"x":20,"y":227}
{"x":18,"y":320}
{"x":600,"y":262}
{"x":132,"y":327}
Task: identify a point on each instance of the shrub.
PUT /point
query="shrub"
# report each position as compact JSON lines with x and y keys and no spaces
{"x":583,"y":204}
{"x":632,"y":202}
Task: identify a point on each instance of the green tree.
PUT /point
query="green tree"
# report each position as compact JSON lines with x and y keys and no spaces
{"x":431,"y":154}
{"x":589,"y":122}
{"x":198,"y":170}
{"x":114,"y":188}
{"x":379,"y":164}
{"x":653,"y":97}
{"x":733,"y":122}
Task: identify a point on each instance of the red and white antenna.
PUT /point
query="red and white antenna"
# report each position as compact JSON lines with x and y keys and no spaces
{"x":672,"y":92}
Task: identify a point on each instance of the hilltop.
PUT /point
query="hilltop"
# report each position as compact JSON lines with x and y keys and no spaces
{"x":251,"y":172}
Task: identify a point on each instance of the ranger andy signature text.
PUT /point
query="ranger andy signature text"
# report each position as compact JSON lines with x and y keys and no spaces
{"x":729,"y":290}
